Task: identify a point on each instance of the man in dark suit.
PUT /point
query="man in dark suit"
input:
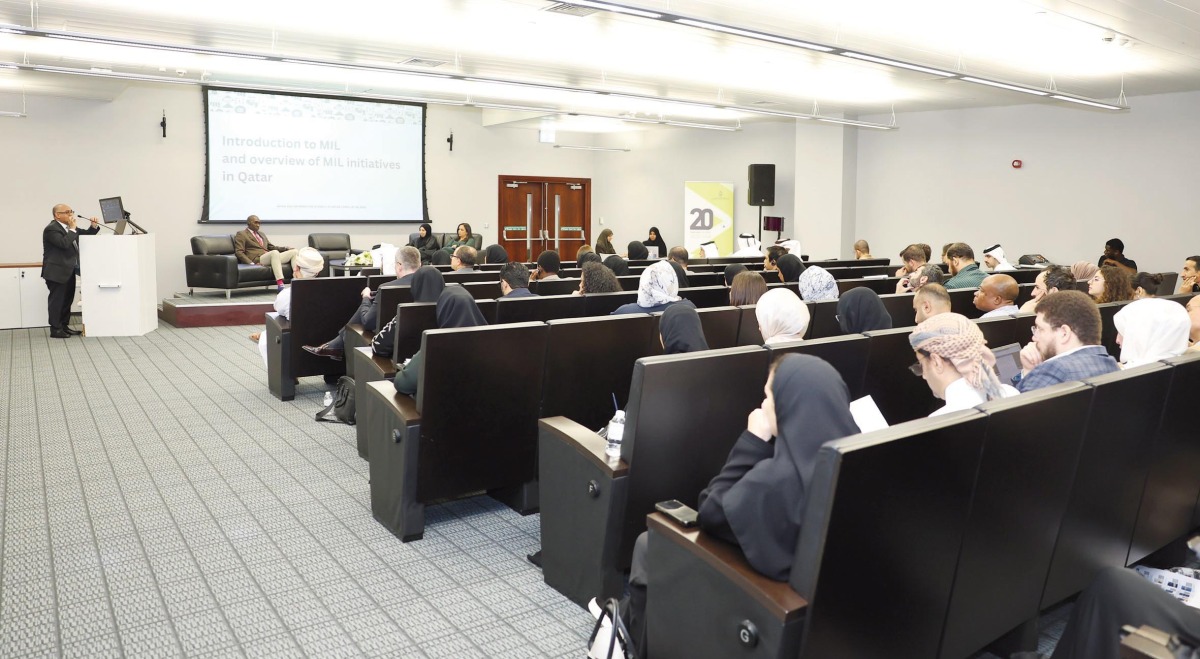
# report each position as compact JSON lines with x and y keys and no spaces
{"x":514,"y":280}
{"x":408,"y":260}
{"x":60,"y":264}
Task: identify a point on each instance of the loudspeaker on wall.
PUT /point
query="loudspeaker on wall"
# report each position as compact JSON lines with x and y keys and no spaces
{"x":762,"y":185}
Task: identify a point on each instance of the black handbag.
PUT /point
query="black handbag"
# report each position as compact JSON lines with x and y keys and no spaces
{"x":342,"y":407}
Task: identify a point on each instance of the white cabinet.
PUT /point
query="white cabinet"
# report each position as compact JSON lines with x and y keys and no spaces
{"x":10,"y":298}
{"x":22,"y":296}
{"x":33,"y":298}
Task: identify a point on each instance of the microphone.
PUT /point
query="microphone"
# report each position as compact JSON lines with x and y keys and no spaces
{"x":99,"y":223}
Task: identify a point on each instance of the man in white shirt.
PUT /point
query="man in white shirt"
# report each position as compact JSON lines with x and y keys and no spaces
{"x":997,"y":296}
{"x":954,"y":360}
{"x":307,"y":264}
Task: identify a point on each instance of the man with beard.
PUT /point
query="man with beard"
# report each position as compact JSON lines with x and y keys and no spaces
{"x":1066,"y":343}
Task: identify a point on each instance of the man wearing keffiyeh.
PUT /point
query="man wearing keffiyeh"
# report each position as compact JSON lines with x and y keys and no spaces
{"x":953,"y":359}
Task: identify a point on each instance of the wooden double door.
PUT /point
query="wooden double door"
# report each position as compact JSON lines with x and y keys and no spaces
{"x":538,"y":213}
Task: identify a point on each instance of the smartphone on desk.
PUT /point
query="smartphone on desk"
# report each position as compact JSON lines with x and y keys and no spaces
{"x":683,"y":516}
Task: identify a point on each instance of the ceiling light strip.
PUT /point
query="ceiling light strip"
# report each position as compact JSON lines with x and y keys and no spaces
{"x":779,"y":39}
{"x":1084,"y":101}
{"x":589,"y":148}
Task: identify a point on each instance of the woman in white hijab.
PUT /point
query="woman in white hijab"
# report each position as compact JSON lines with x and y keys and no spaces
{"x":657,"y":288}
{"x":1151,"y":329}
{"x":817,"y":284}
{"x":782,"y":316}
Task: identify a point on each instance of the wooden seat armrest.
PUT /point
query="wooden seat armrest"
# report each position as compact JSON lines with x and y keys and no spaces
{"x":776,"y":597}
{"x":587,"y":443}
{"x":404,"y":406}
{"x":384,"y":365}
{"x":357,"y":328}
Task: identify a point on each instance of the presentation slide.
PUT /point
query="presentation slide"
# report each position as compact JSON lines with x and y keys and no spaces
{"x":293,"y":158}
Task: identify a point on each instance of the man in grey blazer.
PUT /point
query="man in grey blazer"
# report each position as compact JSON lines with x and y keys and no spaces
{"x":60,"y":264}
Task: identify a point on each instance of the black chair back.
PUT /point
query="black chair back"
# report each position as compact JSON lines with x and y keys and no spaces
{"x":679,"y":428}
{"x":1167,"y":287}
{"x":483,"y":290}
{"x":823,"y":320}
{"x":1108,"y":328}
{"x":1000,"y":332}
{"x":602,"y":304}
{"x":588,"y":360}
{"x":847,"y":354}
{"x":900,"y":308}
{"x":883,"y":286}
{"x":389,"y":298}
{"x":1021,"y":492}
{"x":478,"y":430}
{"x":1169,"y":501}
{"x":320,"y":307}
{"x":913,"y":482}
{"x":555,"y":286}
{"x":1110,"y":474}
{"x":526,"y":309}
{"x":412,"y":319}
{"x":706,"y":296}
{"x":720,"y":326}
{"x":748,"y":332}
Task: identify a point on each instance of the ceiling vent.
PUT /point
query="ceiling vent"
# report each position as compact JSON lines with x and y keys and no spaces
{"x":570,"y":9}
{"x":424,"y":63}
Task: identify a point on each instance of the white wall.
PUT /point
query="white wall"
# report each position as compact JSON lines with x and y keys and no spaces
{"x":78,"y":151}
{"x":644,"y":187}
{"x":1087,"y":177}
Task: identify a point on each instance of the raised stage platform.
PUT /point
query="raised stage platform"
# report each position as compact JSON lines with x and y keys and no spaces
{"x":211,"y":309}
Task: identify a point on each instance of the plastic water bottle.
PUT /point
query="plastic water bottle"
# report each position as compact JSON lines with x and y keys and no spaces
{"x":616,"y":431}
{"x":328,"y":399}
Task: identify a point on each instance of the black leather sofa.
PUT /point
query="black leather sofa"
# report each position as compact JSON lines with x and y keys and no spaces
{"x":331,"y":246}
{"x":212,"y":264}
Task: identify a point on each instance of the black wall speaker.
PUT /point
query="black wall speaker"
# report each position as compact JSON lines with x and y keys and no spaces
{"x":762,"y":185}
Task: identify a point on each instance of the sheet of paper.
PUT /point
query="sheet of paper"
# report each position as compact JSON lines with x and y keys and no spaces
{"x":867,"y":415}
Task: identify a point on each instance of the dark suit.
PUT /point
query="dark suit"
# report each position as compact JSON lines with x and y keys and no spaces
{"x":521,"y":292}
{"x":60,"y":263}
{"x":367,"y":313}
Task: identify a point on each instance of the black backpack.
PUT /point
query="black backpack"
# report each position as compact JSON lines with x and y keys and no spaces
{"x":342,"y":406}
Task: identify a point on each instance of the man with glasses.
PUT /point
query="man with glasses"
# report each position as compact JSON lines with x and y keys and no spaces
{"x":463,"y":259}
{"x":1066,"y":343}
{"x":60,"y":264}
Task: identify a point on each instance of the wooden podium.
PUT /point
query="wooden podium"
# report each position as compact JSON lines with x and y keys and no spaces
{"x":118,"y":284}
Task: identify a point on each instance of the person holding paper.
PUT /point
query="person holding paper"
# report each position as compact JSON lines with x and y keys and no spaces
{"x":252,"y":247}
{"x":60,"y":264}
{"x":953,"y":359}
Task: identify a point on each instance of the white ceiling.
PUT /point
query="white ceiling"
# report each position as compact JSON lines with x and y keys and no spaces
{"x":1089,"y":48}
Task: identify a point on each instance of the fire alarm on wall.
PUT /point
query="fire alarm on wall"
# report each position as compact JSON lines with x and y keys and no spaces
{"x":1016,"y":164}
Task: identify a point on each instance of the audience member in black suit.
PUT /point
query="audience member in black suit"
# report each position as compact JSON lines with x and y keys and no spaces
{"x":638,"y":251}
{"x":455,"y":308}
{"x":514,"y":280}
{"x":426,"y":243}
{"x":408,"y":260}
{"x":790,"y":268}
{"x":656,"y":240}
{"x":757,"y":501}
{"x":427,"y":285}
{"x":1114,"y":255}
{"x":60,"y":264}
{"x":860,"y":310}
{"x":680,"y":331}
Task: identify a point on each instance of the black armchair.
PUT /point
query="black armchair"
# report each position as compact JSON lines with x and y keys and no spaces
{"x":331,"y":246}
